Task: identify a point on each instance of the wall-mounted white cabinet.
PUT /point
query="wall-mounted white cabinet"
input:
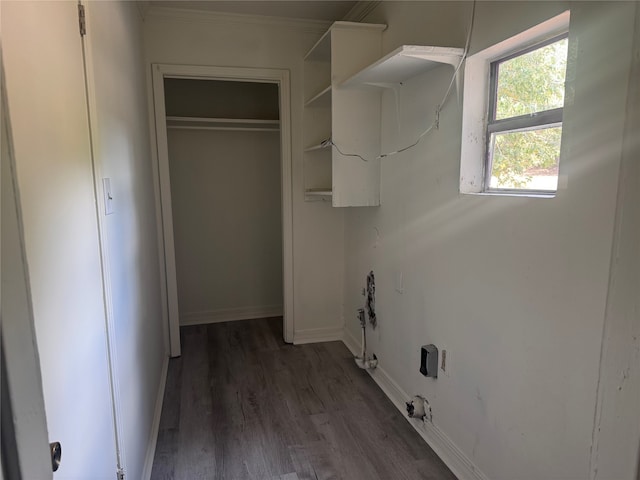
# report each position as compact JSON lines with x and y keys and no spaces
{"x":342,"y":122}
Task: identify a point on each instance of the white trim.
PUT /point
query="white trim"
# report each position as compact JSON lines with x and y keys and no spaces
{"x":220,"y":18}
{"x":230,"y":314}
{"x":316,"y":335}
{"x":155,"y":172}
{"x":103,"y":244}
{"x":351,"y":343}
{"x":543,"y":31}
{"x":278,"y":76}
{"x":461,"y":466}
{"x":476,"y":98}
{"x":155,"y":426}
{"x":287,"y":204}
{"x":162,"y":161}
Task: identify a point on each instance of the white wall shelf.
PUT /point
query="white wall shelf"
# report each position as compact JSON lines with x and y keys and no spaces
{"x":403,"y":63}
{"x":239,"y":124}
{"x":321,"y":99}
{"x":350,"y":117}
{"x":318,"y":194}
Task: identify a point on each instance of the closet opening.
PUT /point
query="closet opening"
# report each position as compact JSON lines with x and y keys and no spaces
{"x":224,"y":175}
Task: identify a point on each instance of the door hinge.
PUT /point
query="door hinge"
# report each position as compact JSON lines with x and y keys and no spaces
{"x":82,"y":20}
{"x":120,"y":474}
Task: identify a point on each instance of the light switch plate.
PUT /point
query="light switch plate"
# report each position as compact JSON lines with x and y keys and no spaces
{"x":108,"y":196}
{"x":445,"y":363}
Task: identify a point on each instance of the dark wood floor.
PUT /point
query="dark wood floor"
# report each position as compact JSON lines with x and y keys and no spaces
{"x":242,"y":404}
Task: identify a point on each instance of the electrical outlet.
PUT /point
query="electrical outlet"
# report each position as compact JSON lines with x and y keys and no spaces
{"x":429,"y":361}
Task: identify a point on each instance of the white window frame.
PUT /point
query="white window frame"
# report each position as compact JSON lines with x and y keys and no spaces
{"x":475,"y":113}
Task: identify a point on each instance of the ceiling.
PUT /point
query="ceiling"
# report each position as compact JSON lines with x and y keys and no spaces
{"x":306,"y":9}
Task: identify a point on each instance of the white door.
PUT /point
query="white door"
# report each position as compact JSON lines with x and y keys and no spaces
{"x":24,"y":437}
{"x":43,"y":64}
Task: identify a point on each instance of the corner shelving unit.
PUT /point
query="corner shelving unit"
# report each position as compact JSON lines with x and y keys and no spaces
{"x":346,"y":117}
{"x":344,"y":79}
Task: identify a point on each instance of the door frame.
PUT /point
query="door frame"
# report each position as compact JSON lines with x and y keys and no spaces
{"x":161,"y":170}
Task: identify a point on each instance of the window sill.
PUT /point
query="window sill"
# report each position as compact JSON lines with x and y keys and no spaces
{"x":512,"y":194}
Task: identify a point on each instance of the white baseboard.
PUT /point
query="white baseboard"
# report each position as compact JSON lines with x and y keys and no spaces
{"x":155,"y":426}
{"x":230,"y":314}
{"x":315,"y":335}
{"x":461,"y":466}
{"x":351,"y":343}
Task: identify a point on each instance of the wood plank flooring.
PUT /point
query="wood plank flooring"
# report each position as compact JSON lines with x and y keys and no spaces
{"x":241,"y":404}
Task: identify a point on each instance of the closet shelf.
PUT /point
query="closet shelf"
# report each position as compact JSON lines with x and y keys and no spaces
{"x":322,"y":99}
{"x":352,"y":114}
{"x":239,"y":124}
{"x":403,"y":63}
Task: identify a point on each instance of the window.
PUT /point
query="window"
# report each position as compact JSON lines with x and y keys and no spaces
{"x":512,"y":113}
{"x":525,"y":118}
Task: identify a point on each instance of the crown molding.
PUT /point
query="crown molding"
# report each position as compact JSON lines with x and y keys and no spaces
{"x":218,"y":18}
{"x":360,"y":11}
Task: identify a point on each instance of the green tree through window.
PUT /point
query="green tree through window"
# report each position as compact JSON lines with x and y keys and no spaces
{"x":524,"y":152}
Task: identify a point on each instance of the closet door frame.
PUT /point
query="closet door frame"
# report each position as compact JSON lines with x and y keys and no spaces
{"x":163,"y":198}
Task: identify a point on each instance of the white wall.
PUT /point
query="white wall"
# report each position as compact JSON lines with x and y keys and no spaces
{"x":225,"y":198}
{"x":204,"y":39}
{"x":514,"y":288}
{"x":122,"y":153}
{"x":617,"y":424}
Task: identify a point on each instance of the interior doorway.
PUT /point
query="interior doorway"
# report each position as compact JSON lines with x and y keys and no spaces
{"x":249,"y":118}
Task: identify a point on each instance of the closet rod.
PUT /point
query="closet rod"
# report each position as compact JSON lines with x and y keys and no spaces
{"x":208,"y":123}
{"x":255,"y":121}
{"x":239,"y":129}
